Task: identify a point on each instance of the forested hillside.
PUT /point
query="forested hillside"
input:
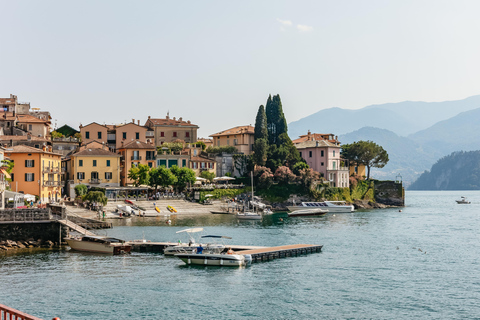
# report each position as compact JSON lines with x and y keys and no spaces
{"x":457,"y":171}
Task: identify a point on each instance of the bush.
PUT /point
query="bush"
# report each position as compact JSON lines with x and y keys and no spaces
{"x":81,"y":190}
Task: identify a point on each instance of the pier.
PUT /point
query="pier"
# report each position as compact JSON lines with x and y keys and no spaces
{"x":271,"y":253}
{"x":158,"y":247}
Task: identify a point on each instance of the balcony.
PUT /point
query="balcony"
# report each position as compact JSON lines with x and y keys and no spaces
{"x":51,"y":183}
{"x":50,"y":170}
{"x":95,"y":181}
{"x":150,"y":157}
{"x":137,"y":158}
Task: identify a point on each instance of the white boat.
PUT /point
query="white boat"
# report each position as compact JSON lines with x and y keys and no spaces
{"x":98,"y":244}
{"x":308,"y":212}
{"x":212,"y":255}
{"x":331,"y":206}
{"x":184,"y":247}
{"x":463,"y":200}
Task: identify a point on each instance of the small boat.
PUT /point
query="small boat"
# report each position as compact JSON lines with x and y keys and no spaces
{"x":331,"y":206}
{"x":157,"y":209}
{"x":308,"y":212}
{"x":99,"y":244}
{"x":184,"y":247}
{"x":212,"y":255}
{"x":129,"y":201}
{"x":171,"y":209}
{"x":463,"y":200}
{"x":125,"y":210}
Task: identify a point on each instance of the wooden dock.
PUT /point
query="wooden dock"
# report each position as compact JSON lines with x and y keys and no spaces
{"x":76,"y":227}
{"x":270,"y":253}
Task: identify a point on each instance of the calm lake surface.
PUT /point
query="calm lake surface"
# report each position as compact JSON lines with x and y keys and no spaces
{"x":422,"y":263}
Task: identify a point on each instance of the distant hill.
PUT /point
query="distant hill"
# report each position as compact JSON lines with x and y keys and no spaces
{"x":457,"y":171}
{"x":406,"y":157}
{"x":402,"y":118}
{"x":459,"y":133}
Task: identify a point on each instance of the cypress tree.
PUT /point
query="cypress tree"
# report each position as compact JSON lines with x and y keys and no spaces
{"x":261,"y":124}
{"x":276,"y":122}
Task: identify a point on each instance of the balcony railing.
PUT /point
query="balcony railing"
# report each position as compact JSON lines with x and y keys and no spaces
{"x":338,"y":169}
{"x":136,"y":157}
{"x":50,"y":170}
{"x":95,"y":181}
{"x":50,"y":183}
{"x":150,"y":157}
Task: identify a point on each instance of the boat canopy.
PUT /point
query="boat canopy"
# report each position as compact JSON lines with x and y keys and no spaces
{"x":218,"y":237}
{"x":191,"y":230}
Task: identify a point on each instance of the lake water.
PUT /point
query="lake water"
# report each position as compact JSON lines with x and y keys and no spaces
{"x":422,"y":263}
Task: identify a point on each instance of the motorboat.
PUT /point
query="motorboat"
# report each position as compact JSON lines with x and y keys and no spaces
{"x":463,"y":200}
{"x":308,"y":212}
{"x":331,"y":206}
{"x":184,"y":247}
{"x":213,"y":255}
{"x":125,"y":210}
{"x":99,"y":244}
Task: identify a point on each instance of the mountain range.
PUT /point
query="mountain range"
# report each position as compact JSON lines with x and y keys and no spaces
{"x":415,"y":134}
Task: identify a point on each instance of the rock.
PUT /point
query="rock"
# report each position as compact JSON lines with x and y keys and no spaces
{"x":20,"y":245}
{"x":2,"y":243}
{"x":48,"y":244}
{"x":11,"y":243}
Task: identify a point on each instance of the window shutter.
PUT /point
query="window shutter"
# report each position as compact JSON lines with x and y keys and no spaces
{"x":33,"y":176}
{"x":33,"y":163}
{"x":26,"y":163}
{"x":26,"y":176}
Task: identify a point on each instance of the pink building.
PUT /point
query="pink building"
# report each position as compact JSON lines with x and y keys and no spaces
{"x":324,"y":156}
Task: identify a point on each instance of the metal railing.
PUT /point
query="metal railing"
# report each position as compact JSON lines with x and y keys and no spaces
{"x":136,"y":157}
{"x":50,"y":183}
{"x":95,"y":181}
{"x":10,"y":313}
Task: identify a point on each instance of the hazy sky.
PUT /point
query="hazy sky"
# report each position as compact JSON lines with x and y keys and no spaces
{"x":215,"y":62}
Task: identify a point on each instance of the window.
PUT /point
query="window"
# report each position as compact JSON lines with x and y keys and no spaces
{"x":194,"y":152}
{"x":80,"y":175}
{"x":37,"y":146}
{"x":356,"y":169}
{"x":184,"y":162}
{"x":187,"y":134}
{"x":87,"y":134}
{"x":174,"y":133}
{"x":136,"y":155}
{"x":321,"y":154}
{"x":29,"y":177}
{"x":161,"y":162}
{"x":334,"y":153}
{"x":235,"y":142}
{"x":29,"y":163}
{"x":162,"y":134}
{"x":310,"y":154}
{"x":94,"y":175}
{"x":124,"y":135}
{"x":108,"y":164}
{"x":150,"y":164}
{"x":80,"y":163}
{"x":12,"y":175}
{"x":228,"y":142}
{"x":99,"y":134}
{"x":321,"y":164}
{"x":334,"y":163}
{"x":218,"y":143}
{"x":30,"y":127}
{"x":300,"y":154}
{"x":94,"y":163}
{"x":137,"y":135}
{"x":108,"y":175}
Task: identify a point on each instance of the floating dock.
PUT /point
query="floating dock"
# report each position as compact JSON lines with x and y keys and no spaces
{"x":270,"y":253}
{"x":258,"y":253}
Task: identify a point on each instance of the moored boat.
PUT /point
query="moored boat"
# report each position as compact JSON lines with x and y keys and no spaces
{"x":308,"y":212}
{"x":99,"y":244}
{"x":463,"y":200}
{"x":184,"y":247}
{"x":331,"y":206}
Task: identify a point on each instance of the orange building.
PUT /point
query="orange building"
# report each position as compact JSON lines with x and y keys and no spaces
{"x":36,"y":172}
{"x":133,"y":154}
{"x":241,"y":137}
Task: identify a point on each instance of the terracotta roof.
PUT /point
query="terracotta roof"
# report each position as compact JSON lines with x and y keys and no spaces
{"x":234,"y":131}
{"x":7,"y":116}
{"x":22,"y":138}
{"x":315,"y":137}
{"x":95,"y":152}
{"x":200,"y":159}
{"x":315,"y":144}
{"x":27,"y":149}
{"x":92,"y":123}
{"x":138,"y":145}
{"x":30,"y":119}
{"x":170,"y":122}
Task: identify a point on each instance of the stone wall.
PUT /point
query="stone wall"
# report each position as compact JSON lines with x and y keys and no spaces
{"x":390,"y":193}
{"x":49,"y":231}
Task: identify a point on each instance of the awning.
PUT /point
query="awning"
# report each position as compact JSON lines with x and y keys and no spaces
{"x":5,"y":173}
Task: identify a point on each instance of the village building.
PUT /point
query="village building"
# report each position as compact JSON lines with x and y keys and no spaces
{"x":241,"y":137}
{"x":36,"y":172}
{"x":93,"y":167}
{"x":133,"y":154}
{"x":171,"y":129}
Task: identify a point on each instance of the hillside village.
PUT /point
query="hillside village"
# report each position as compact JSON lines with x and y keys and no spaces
{"x":50,"y":162}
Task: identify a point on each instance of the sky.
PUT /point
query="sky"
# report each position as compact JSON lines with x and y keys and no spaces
{"x":215,"y":62}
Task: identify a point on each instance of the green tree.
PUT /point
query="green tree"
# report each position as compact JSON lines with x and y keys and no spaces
{"x":207,"y":175}
{"x":276,"y":122}
{"x":365,"y":153}
{"x":161,"y":176}
{"x":81,"y":190}
{"x":260,"y":151}
{"x":78,"y":136}
{"x":96,"y":196}
{"x":184,"y":177}
{"x":243,"y":164}
{"x":299,"y":166}
{"x":139,"y":175}
{"x":218,"y":150}
{"x":56,"y":134}
{"x":261,"y":131}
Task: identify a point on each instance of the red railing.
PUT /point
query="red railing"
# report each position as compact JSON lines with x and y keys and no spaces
{"x":7,"y":313}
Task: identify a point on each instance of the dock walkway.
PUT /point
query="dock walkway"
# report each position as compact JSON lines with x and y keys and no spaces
{"x":148,"y":246}
{"x":270,"y":253}
{"x":76,"y":227}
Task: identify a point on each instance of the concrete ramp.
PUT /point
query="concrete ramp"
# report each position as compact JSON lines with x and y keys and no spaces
{"x":76,"y":227}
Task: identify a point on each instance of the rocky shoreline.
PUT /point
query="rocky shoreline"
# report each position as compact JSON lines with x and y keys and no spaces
{"x":9,"y":245}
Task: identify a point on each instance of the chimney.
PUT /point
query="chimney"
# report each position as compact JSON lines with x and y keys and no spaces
{"x":148,"y":117}
{"x":138,"y":122}
{"x":174,"y":119}
{"x":29,"y":136}
{"x":133,"y":120}
{"x":44,"y":148}
{"x":50,"y":149}
{"x":168,"y":117}
{"x":103,"y":145}
{"x":180,"y":119}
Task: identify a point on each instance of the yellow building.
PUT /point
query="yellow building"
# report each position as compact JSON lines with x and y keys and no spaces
{"x":94,"y":167}
{"x":133,"y":154}
{"x":36,"y":172}
{"x":171,"y":129}
{"x":358,"y":170}
{"x":241,"y":137}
